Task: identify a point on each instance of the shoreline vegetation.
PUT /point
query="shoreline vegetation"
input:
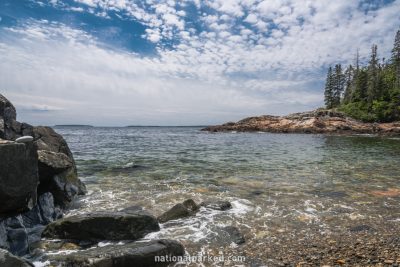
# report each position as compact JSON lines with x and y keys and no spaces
{"x":369,"y":93}
{"x":359,"y":100}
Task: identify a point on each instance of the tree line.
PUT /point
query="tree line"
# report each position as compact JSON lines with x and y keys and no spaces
{"x":369,"y":93}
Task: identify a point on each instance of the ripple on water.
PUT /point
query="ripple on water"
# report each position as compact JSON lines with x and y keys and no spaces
{"x":283,"y":188}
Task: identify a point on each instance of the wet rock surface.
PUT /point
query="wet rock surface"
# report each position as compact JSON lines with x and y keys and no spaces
{"x":227,"y":235}
{"x":18,"y":176}
{"x":9,"y":260}
{"x":8,"y":115}
{"x":138,"y":254}
{"x":180,"y":210}
{"x":37,"y":176}
{"x":318,"y":121}
{"x":217,"y":205}
{"x":103,"y":226}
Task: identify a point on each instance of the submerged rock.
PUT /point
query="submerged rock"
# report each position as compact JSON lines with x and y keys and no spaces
{"x":361,"y":228}
{"x":227,"y":235}
{"x":180,"y":210}
{"x":18,"y":176}
{"x":234,"y":234}
{"x":103,"y":226}
{"x":217,"y":205}
{"x":9,"y":260}
{"x":138,"y":254}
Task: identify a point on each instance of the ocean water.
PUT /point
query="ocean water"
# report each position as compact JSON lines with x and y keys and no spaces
{"x":280,"y":185}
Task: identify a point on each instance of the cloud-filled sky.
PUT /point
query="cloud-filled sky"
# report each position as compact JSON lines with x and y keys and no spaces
{"x":126,"y":62}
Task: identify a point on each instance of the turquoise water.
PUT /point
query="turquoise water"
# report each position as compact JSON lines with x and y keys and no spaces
{"x":279,"y":184}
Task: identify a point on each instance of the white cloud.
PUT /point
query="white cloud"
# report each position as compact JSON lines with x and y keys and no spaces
{"x":223,"y":71}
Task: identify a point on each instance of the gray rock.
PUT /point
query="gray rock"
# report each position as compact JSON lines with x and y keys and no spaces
{"x":217,"y":205}
{"x":234,"y":234}
{"x":18,"y":176}
{"x":8,"y":115}
{"x":103,"y":226}
{"x":9,"y":260}
{"x":57,"y":175}
{"x":226,"y":235}
{"x":32,"y":217}
{"x":17,"y":236}
{"x":57,"y":170}
{"x":180,"y":210}
{"x":34,"y":234}
{"x":48,"y":211}
{"x":138,"y":254}
{"x":191,"y":205}
{"x":361,"y":228}
{"x":3,"y":235}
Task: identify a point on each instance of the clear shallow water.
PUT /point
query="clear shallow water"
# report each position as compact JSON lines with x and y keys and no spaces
{"x":281,"y":185}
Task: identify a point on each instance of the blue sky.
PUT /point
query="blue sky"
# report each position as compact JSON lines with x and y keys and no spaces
{"x":124,"y":62}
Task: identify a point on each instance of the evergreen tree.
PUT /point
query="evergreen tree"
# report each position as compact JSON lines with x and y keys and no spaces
{"x":372,"y":92}
{"x":338,"y":87}
{"x":348,"y":90}
{"x":329,"y":100}
{"x":396,"y":58}
{"x":373,"y":68}
{"x":361,"y":83}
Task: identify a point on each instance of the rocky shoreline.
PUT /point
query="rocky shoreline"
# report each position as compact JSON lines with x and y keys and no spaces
{"x":316,"y":122}
{"x":39,"y":184}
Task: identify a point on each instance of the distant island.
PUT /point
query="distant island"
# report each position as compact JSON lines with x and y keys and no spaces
{"x":73,"y":125}
{"x":359,"y":100}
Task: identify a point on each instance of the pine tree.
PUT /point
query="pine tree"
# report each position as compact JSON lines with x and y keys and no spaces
{"x":349,"y":84}
{"x":396,"y":58}
{"x":373,"y":79}
{"x":360,"y":86}
{"x":338,"y":87}
{"x":329,"y":89}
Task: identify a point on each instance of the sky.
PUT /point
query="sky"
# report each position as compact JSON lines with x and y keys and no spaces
{"x":126,"y":62}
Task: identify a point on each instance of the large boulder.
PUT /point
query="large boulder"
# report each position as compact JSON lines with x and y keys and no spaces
{"x":57,"y":169}
{"x":18,"y":176}
{"x":103,"y":226}
{"x":8,"y":116}
{"x":9,"y":260}
{"x":57,"y":174}
{"x":139,"y":254}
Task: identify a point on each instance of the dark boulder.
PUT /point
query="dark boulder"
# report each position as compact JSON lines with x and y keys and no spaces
{"x":180,"y":210}
{"x":9,"y":260}
{"x":8,"y":115}
{"x":217,"y":205}
{"x":138,"y":254}
{"x":18,"y":176}
{"x":103,"y":226}
{"x":57,"y":169}
{"x":57,"y":174}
